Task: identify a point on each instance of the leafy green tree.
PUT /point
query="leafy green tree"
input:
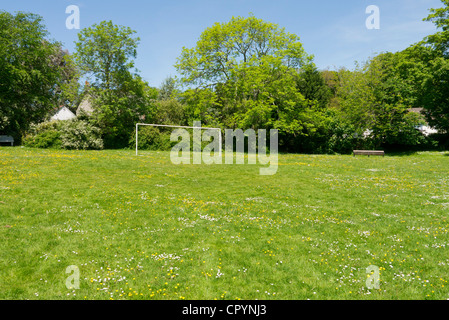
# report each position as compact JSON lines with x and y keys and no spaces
{"x":243,"y":74}
{"x":168,"y":107}
{"x":264,"y":96}
{"x":310,"y":82}
{"x":106,"y":53}
{"x":202,"y":104}
{"x":30,"y":72}
{"x":68,"y":91}
{"x":241,"y":42}
{"x":440,"y":17}
{"x":168,"y":89}
{"x":376,"y":99}
{"x":170,"y":111}
{"x":355,"y":98}
{"x":117,"y":112}
{"x":433,"y":93}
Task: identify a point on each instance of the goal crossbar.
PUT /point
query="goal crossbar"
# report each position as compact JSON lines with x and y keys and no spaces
{"x":178,"y":127}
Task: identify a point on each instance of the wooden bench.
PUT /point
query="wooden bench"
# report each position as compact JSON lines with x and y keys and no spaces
{"x":369,"y":153}
{"x":7,"y":139}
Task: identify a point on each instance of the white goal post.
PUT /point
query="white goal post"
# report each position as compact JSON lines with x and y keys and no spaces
{"x":178,"y":127}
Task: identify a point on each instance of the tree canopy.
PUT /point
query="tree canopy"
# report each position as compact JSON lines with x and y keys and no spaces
{"x":225,"y":48}
{"x":105,"y":53}
{"x":32,"y":70}
{"x":243,"y":73}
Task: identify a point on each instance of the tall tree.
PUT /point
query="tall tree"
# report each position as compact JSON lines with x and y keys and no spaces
{"x":311,"y":84}
{"x":440,"y":17}
{"x":242,"y":74}
{"x":106,"y":53}
{"x":68,"y":91}
{"x":30,"y":73}
{"x":168,"y":89}
{"x":433,"y":94}
{"x":376,"y":98}
{"x":241,"y":42}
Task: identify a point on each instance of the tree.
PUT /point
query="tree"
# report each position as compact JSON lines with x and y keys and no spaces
{"x":240,"y":42}
{"x":30,"y":72}
{"x":168,"y":89}
{"x":117,"y":112}
{"x":376,"y":98}
{"x":106,"y":53}
{"x":242,"y":74}
{"x":68,"y":91}
{"x":170,"y":112}
{"x":433,"y":94}
{"x":355,"y":98}
{"x":310,"y":82}
{"x":440,"y":17}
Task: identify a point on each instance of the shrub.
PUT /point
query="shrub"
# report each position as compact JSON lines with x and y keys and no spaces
{"x":152,"y":138}
{"x":343,"y":138}
{"x":80,"y":135}
{"x":44,"y":135}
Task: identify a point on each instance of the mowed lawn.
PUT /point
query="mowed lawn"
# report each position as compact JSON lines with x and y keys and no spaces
{"x":140,"y":227}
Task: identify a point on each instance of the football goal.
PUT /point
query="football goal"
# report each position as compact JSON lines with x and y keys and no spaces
{"x":177,"y":127}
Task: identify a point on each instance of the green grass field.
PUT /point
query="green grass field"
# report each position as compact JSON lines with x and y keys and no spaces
{"x":139,"y":227}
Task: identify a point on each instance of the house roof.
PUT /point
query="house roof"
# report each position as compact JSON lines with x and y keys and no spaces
{"x":85,"y":106}
{"x":63,"y":113}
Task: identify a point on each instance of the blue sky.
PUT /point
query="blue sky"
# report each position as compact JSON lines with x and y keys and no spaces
{"x":333,"y":31}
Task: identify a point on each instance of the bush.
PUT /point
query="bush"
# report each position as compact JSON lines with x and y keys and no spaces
{"x":80,"y":135}
{"x":70,"y":134}
{"x":44,"y":135}
{"x":343,"y":138}
{"x":151,"y":138}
